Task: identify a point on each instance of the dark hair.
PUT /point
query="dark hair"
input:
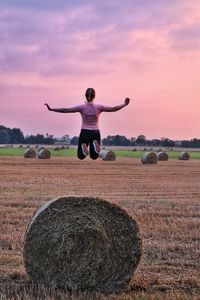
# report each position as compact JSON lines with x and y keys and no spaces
{"x":90,"y":94}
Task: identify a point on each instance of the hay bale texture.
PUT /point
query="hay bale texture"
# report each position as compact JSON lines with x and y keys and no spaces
{"x":162,"y":156}
{"x":77,"y":243}
{"x":184,"y":156}
{"x":29,"y":153}
{"x":44,"y":154}
{"x":149,"y":158}
{"x":107,"y":155}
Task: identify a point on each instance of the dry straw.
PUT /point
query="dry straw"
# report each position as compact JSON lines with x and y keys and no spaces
{"x":44,"y":154}
{"x":184,"y":156}
{"x":149,"y":158}
{"x":107,"y":155}
{"x":29,"y":153}
{"x":162,"y":156}
{"x":79,"y":244}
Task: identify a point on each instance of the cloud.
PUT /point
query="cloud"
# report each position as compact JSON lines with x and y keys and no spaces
{"x":41,"y":5}
{"x":55,"y":46}
{"x":186,"y":37}
{"x":59,"y":37}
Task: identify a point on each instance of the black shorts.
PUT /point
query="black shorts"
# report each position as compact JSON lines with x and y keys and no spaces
{"x":88,"y":136}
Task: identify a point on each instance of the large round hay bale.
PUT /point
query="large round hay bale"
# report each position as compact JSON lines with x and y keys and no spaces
{"x":162,"y":156}
{"x":149,"y":158}
{"x":29,"y":153}
{"x":44,"y":154}
{"x":107,"y":155}
{"x":184,"y":156}
{"x":78,"y":243}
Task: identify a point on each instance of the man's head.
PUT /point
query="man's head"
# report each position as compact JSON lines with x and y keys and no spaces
{"x":90,"y":94}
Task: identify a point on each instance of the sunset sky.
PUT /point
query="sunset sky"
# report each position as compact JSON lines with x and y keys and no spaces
{"x":148,"y":50}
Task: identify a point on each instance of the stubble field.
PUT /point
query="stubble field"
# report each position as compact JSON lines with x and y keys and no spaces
{"x":162,"y":198}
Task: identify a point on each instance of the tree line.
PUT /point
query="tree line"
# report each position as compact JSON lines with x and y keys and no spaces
{"x":16,"y":136}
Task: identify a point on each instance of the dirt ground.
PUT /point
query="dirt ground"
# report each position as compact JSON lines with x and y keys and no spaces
{"x":164,"y":199}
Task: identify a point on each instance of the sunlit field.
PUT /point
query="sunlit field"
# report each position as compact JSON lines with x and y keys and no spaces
{"x":163,"y":199}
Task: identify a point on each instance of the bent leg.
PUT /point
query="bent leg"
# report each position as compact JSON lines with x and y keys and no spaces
{"x":82,"y":140}
{"x":80,"y":153}
{"x":95,"y":137}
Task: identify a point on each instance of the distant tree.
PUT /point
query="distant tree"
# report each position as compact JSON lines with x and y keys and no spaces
{"x":168,"y":143}
{"x":3,"y":127}
{"x":155,"y":142}
{"x":116,"y":140}
{"x":195,"y":143}
{"x":121,"y":140}
{"x":8,"y":135}
{"x":4,"y":136}
{"x":49,"y":140}
{"x":65,"y":139}
{"x":74,"y":140}
{"x":39,"y":139}
{"x":148,"y":143}
{"x":107,"y":141}
{"x":141,"y":140}
{"x":16,"y":136}
{"x":185,"y":144}
{"x":132,"y":141}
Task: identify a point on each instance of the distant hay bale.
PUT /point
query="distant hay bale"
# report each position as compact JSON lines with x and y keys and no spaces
{"x":162,"y":156}
{"x":29,"y":153}
{"x":57,"y":148}
{"x":149,"y":158}
{"x":40,"y":148}
{"x":82,"y":243}
{"x":107,"y":155}
{"x":44,"y":154}
{"x":184,"y":156}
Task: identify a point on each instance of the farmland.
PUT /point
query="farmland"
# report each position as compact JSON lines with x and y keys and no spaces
{"x":162,"y":198}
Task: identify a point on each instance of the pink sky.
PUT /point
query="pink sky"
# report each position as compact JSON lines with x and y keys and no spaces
{"x":51,"y":51}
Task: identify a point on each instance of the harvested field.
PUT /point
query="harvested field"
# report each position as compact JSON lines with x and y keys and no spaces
{"x":163,"y":199}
